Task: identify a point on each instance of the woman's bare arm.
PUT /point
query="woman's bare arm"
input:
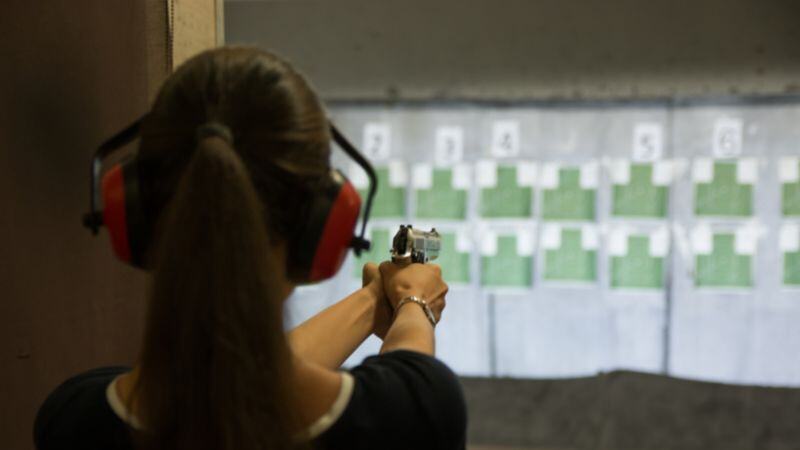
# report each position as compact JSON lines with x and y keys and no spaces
{"x":411,"y":329}
{"x":332,"y":335}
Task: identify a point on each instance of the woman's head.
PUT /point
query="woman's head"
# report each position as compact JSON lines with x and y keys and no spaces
{"x":214,"y":364}
{"x":278,"y":126}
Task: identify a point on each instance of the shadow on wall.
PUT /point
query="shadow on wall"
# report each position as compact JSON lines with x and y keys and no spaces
{"x":629,"y":410}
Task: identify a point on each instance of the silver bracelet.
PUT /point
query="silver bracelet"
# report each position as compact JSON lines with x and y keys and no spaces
{"x":420,"y":302}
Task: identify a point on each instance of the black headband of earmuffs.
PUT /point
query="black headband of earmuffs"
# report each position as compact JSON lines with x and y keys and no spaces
{"x":93,"y":219}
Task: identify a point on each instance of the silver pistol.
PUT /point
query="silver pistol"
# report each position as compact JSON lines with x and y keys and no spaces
{"x":415,"y":246}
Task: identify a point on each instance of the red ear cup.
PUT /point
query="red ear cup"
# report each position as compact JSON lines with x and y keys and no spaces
{"x":319,"y":250}
{"x":337,"y":234}
{"x":123,"y":214}
{"x":114,"y":217}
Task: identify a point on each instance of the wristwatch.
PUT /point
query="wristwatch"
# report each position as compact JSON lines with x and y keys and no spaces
{"x":420,"y":302}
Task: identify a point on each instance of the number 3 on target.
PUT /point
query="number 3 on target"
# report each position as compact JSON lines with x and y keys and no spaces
{"x":449,"y":145}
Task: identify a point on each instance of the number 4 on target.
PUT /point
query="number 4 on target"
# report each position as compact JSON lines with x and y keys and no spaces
{"x":505,"y":139}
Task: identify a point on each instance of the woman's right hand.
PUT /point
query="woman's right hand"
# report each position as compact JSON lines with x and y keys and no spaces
{"x":421,"y":280}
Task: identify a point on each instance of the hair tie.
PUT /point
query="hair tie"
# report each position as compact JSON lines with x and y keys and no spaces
{"x":214,"y":129}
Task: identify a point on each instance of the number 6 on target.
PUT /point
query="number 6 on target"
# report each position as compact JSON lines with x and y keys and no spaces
{"x":727,"y":141}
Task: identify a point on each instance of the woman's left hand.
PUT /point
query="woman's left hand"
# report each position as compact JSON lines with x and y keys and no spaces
{"x":371,"y":280}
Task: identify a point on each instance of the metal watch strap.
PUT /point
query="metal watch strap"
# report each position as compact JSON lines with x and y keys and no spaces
{"x":420,"y":302}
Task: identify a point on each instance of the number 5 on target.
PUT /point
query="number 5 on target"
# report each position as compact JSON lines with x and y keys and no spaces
{"x":648,"y":142}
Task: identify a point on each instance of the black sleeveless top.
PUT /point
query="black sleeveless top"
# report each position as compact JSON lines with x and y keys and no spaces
{"x":400,"y":400}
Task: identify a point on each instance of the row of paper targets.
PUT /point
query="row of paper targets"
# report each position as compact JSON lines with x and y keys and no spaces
{"x":723,"y":256}
{"x":722,"y":188}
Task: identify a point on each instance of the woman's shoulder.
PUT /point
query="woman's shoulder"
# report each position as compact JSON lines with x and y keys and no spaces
{"x":402,"y":399}
{"x":398,"y":358}
{"x":411,"y":369}
{"x":77,"y":415}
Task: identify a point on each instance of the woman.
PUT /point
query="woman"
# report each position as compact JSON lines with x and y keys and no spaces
{"x":216,"y":370}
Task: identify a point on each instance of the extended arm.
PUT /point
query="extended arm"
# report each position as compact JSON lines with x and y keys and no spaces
{"x":332,"y":335}
{"x":411,"y":329}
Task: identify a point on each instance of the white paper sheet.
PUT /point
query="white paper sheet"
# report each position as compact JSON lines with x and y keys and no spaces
{"x":747,"y":171}
{"x":703,"y":170}
{"x":789,"y":240}
{"x":659,"y":242}
{"x":488,"y":243}
{"x":527,"y":172}
{"x":702,"y":240}
{"x":662,"y":173}
{"x":789,"y":169}
{"x":398,"y":174}
{"x":422,"y":176}
{"x":462,"y":176}
{"x":549,"y":178}
{"x":551,"y":236}
{"x":589,"y":175}
{"x":463,"y":242}
{"x":745,"y":240}
{"x":620,"y":171}
{"x":486,"y":175}
{"x":525,"y":242}
{"x":618,"y":242}
{"x":590,"y":238}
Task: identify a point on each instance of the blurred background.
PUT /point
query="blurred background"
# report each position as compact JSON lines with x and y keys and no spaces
{"x":617,"y":184}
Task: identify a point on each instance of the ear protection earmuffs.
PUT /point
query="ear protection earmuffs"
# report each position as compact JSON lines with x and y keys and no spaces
{"x":122,"y":212}
{"x":322,"y":240}
{"x":316,"y":252}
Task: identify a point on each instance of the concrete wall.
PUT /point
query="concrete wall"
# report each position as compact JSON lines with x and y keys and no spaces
{"x":73,"y":74}
{"x":530,"y":49}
